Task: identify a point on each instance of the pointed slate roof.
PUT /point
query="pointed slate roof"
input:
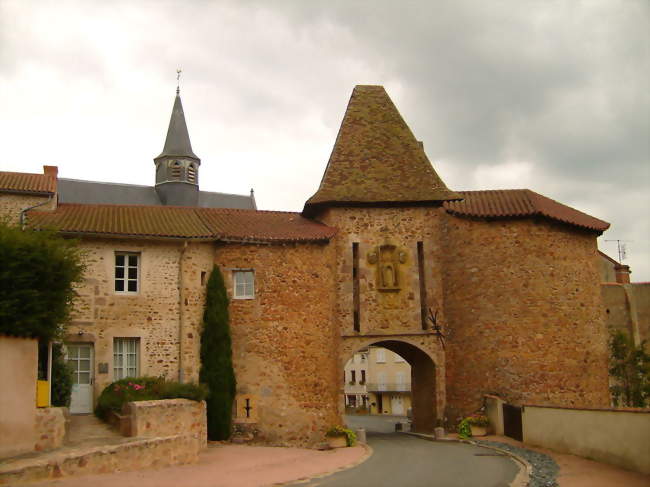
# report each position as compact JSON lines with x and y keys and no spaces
{"x":177,"y":142}
{"x":376,"y":158}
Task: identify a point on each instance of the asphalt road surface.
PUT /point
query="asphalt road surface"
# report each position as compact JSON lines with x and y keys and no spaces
{"x":401,"y":460}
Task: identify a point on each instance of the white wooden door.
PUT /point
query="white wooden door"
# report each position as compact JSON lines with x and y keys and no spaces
{"x":80,"y":358}
{"x":397,"y":405}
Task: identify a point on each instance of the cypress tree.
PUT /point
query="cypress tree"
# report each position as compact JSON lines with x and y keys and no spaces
{"x":216,"y":358}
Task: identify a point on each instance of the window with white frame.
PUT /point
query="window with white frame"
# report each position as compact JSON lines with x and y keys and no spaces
{"x":126,"y":357}
{"x":127,"y":272}
{"x":243,"y":284}
{"x":381,"y":355}
{"x":398,"y":358}
{"x":381,"y":381}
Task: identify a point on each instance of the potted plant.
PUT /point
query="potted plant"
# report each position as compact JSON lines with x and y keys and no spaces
{"x":479,"y":424}
{"x":340,"y":437}
{"x":474,"y":425}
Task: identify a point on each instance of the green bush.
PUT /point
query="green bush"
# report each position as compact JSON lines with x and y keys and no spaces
{"x":464,"y":429}
{"x":37,"y":275}
{"x":630,"y":368}
{"x":61,"y":377}
{"x":216,"y":359}
{"x":130,"y":389}
{"x":350,"y":436}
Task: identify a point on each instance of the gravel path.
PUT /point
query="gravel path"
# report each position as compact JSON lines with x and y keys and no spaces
{"x":545,"y":469}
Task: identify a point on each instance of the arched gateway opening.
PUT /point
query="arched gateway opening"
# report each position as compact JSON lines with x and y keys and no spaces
{"x":374,"y":383}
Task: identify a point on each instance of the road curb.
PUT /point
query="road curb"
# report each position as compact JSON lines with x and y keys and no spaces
{"x":301,"y":481}
{"x":522,"y":479}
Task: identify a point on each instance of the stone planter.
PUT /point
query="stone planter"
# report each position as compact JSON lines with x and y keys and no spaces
{"x":478,"y":430}
{"x":340,"y":441}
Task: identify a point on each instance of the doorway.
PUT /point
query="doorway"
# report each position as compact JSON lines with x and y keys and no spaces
{"x":80,"y":357}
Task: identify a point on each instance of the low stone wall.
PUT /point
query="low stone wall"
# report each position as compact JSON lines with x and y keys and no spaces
{"x":615,"y":436}
{"x":167,"y":417}
{"x":50,"y":428}
{"x":132,"y":456}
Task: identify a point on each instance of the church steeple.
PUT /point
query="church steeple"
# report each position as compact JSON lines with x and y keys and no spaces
{"x":177,"y":167}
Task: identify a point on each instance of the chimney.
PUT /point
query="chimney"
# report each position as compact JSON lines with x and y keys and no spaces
{"x":52,"y":171}
{"x":622,"y":273}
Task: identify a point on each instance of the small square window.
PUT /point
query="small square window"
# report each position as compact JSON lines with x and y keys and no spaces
{"x":127,"y":272}
{"x":243,"y":284}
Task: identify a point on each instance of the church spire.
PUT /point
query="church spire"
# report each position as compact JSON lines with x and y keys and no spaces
{"x":178,"y":142}
{"x":177,"y":167}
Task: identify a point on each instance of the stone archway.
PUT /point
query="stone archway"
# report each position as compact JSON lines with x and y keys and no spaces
{"x":427,"y":379}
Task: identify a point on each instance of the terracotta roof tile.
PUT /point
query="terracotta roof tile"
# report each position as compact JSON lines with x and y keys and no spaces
{"x":21,"y":182}
{"x":376,"y":158}
{"x":263,"y":225}
{"x":181,"y":222}
{"x":517,"y":203}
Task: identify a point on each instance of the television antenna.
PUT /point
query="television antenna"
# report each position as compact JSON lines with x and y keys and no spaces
{"x":622,"y":248}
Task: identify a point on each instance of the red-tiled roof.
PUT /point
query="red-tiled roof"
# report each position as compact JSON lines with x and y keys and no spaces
{"x":181,"y":222}
{"x":21,"y":182}
{"x":518,"y":203}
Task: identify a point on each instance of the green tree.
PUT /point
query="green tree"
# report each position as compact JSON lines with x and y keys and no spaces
{"x":630,"y":367}
{"x":216,"y":358}
{"x":61,"y":378}
{"x":38,"y":271}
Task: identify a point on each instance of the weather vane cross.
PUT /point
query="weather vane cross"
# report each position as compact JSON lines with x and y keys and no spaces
{"x":178,"y":80}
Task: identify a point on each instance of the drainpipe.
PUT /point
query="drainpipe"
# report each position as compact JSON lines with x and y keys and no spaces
{"x":23,"y":215}
{"x":49,"y":374}
{"x":181,"y":304}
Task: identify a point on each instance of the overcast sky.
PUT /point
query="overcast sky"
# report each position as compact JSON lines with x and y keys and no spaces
{"x":551,"y":96}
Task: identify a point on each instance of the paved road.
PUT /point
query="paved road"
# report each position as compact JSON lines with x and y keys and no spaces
{"x":401,"y":460}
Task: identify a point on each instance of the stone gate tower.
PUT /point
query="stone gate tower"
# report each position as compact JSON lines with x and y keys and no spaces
{"x":382,"y":194}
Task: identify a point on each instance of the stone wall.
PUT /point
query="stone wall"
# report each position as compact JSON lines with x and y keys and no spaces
{"x":283,"y":340}
{"x":627,"y":307}
{"x":196,"y":266}
{"x":386,"y":311}
{"x":641,"y":293}
{"x":393,"y":314}
{"x":525,"y":316}
{"x":18,"y":367}
{"x":50,"y":428}
{"x":125,"y":457}
{"x":153,"y":314}
{"x":168,"y":417}
{"x":12,"y":204}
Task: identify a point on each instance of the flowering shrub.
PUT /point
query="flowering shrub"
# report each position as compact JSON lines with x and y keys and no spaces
{"x":115,"y":395}
{"x":477,"y":420}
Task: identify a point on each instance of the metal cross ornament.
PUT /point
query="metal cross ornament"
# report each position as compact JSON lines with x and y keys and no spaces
{"x":178,"y":80}
{"x":437,"y":330}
